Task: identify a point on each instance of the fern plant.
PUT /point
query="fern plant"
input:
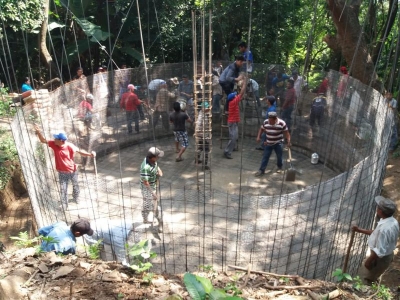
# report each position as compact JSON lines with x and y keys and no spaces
{"x":201,"y":288}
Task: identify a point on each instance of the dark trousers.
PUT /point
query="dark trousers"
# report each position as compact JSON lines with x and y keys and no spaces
{"x":278,"y":148}
{"x":132,"y":116}
{"x":200,"y":148}
{"x":316,"y":117}
{"x":164,"y":117}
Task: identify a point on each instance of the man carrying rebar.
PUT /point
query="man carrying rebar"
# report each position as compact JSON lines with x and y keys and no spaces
{"x":65,"y":165}
{"x":382,"y":241}
{"x":149,"y":174}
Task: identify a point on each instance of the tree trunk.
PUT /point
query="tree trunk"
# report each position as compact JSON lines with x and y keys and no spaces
{"x":393,"y":7}
{"x":351,"y":40}
{"x":42,"y":43}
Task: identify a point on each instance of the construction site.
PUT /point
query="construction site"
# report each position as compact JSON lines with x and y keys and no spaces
{"x":224,"y":215}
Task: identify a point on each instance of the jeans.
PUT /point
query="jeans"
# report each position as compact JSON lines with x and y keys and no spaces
{"x":216,"y":108}
{"x":287,"y":116}
{"x":263,"y":139}
{"x":64,"y":177}
{"x":278,"y":148}
{"x":132,"y":116}
{"x":233,"y":136}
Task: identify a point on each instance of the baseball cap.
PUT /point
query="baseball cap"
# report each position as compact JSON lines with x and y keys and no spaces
{"x":387,"y":206}
{"x":295,"y":73}
{"x":231,"y":96}
{"x":272,"y":114}
{"x":89,"y":96}
{"x":131,"y":86}
{"x":155,"y":151}
{"x":60,"y":136}
{"x":83,"y":226}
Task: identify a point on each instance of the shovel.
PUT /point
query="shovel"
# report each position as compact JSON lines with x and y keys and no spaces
{"x":291,"y":172}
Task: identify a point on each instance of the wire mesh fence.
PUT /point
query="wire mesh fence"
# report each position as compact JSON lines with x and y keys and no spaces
{"x":301,"y":231}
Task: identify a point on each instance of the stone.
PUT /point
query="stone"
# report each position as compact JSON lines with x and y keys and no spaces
{"x":10,"y":288}
{"x":77,"y":272}
{"x":53,"y":259}
{"x":113,"y":276}
{"x":85,"y":265}
{"x":56,"y":288}
{"x":157,"y":282}
{"x":63,"y":271}
{"x":43,"y":268}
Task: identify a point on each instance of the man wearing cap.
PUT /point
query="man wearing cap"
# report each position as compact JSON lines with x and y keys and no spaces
{"x":178,"y":118}
{"x":230,"y":75}
{"x":162,"y":106}
{"x":130,"y":103}
{"x":64,"y":157}
{"x":154,"y":87}
{"x":382,"y":241}
{"x":149,"y":173}
{"x":233,"y":101}
{"x":275,"y":129}
{"x":62,"y":237}
{"x":271,"y":107}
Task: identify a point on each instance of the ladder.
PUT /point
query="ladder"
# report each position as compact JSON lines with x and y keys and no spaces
{"x":202,"y":91}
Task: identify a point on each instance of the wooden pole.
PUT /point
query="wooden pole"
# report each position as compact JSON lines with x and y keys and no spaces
{"x":346,"y":260}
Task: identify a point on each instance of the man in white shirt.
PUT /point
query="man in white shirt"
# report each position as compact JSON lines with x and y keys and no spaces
{"x":298,"y":87}
{"x":382,"y":241}
{"x":392,"y":104}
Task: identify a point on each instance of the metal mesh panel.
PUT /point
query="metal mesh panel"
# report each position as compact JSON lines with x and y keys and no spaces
{"x":273,"y":228}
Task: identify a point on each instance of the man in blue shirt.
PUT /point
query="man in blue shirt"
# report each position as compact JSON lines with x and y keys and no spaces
{"x":248,"y":57}
{"x":63,"y":237}
{"x":26,"y":86}
{"x":230,"y":75}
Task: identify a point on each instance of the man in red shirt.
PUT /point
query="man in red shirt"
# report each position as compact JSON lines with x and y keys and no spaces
{"x":288,"y":105}
{"x":233,"y":119}
{"x":65,"y":165}
{"x":129,"y":103}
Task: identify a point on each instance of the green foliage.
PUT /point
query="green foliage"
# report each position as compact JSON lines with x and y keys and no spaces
{"x":357,"y":283}
{"x":22,"y":15}
{"x":23,"y":240}
{"x":148,"y":277}
{"x":340,"y":276}
{"x":206,"y":268}
{"x":94,"y":250}
{"x":120,"y":296}
{"x":233,"y":288}
{"x":8,"y":152}
{"x":284,"y":279}
{"x":382,"y":291}
{"x":201,"y":288}
{"x":140,"y":254}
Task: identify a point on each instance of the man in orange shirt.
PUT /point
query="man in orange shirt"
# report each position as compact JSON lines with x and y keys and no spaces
{"x":65,"y":165}
{"x":233,"y":119}
{"x":129,"y":103}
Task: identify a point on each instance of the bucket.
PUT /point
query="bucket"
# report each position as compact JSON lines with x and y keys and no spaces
{"x":314,"y":158}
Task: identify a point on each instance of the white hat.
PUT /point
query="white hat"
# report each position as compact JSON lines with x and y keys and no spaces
{"x":155,"y":151}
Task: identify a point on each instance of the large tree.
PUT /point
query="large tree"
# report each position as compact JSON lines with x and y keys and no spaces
{"x":360,"y":48}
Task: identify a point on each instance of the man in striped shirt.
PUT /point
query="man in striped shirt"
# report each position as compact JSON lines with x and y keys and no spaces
{"x":274,"y":129}
{"x":149,"y":173}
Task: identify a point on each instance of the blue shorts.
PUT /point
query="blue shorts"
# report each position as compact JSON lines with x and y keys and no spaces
{"x":182,"y":138}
